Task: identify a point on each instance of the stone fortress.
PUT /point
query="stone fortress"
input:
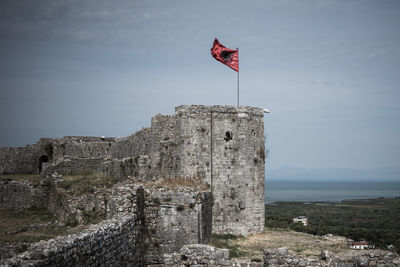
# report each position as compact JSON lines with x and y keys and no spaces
{"x":221,"y":147}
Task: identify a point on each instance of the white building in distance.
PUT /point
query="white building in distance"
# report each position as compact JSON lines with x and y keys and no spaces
{"x":302,"y":219}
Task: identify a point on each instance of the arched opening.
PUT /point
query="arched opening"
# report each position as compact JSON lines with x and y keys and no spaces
{"x":228,"y":136}
{"x":42,"y":159}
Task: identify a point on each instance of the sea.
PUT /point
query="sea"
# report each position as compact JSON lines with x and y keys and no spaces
{"x":329,"y":191}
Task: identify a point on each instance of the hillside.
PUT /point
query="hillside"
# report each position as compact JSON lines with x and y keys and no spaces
{"x":374,"y":220}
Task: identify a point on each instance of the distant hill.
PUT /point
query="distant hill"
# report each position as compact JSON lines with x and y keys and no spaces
{"x":310,"y":174}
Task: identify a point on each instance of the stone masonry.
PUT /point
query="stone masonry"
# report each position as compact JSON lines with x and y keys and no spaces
{"x":221,"y":146}
{"x":377,"y":258}
{"x":142,"y":225}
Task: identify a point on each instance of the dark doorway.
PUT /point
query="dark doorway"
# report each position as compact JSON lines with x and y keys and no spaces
{"x":42,"y":159}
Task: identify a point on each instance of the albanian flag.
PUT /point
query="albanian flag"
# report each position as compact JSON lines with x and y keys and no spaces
{"x":225,"y":55}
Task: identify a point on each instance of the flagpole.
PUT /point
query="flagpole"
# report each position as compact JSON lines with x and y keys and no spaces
{"x":238,"y":80}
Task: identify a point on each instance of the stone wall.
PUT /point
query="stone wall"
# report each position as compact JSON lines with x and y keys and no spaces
{"x":110,"y":242}
{"x":24,"y":194}
{"x":222,"y":146}
{"x":28,"y":159}
{"x":185,"y":217}
{"x":142,"y":225}
{"x":198,"y":255}
{"x":282,"y":257}
{"x":130,"y":146}
{"x":20,"y":159}
{"x":130,"y":236}
{"x":67,"y":165}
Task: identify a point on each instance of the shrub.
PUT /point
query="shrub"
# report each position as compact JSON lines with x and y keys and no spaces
{"x":180,"y":208}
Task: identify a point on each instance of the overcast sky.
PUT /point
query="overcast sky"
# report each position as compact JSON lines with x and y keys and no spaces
{"x":329,"y":71}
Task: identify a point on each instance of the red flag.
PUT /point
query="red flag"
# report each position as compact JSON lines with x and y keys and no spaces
{"x":225,"y":55}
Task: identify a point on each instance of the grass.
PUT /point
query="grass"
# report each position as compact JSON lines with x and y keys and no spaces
{"x":92,"y":217}
{"x":13,"y":221}
{"x":23,"y":227}
{"x":178,"y":182}
{"x":251,"y":247}
{"x":85,"y":182}
{"x":34,"y":178}
{"x":230,"y":242}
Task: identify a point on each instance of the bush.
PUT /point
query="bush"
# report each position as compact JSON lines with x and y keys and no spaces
{"x":180,"y":208}
{"x":84,"y":182}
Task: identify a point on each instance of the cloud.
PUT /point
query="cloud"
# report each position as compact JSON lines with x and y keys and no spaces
{"x":95,"y":20}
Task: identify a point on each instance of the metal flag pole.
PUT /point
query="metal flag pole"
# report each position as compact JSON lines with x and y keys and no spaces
{"x":238,"y":79}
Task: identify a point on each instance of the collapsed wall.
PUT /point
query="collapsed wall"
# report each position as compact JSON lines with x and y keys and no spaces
{"x":282,"y":257}
{"x":107,"y":243}
{"x":129,"y":237}
{"x":142,"y":224}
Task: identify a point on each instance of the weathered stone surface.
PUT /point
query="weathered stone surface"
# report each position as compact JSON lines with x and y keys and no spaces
{"x":23,"y":194}
{"x":198,"y":255}
{"x":117,"y":235}
{"x":164,"y":220}
{"x":349,"y":258}
{"x":222,"y":146}
{"x":185,"y":217}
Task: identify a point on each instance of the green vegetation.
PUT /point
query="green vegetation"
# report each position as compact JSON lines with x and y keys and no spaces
{"x":84,"y":182}
{"x":19,"y":228}
{"x":92,"y":217}
{"x":14,"y":225}
{"x":374,"y":220}
{"x":229,"y":242}
{"x":177,"y":182}
{"x":252,"y":246}
{"x":33,"y":178}
{"x":180,"y":208}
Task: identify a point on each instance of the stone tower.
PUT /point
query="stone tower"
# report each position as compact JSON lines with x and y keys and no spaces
{"x":224,"y":146}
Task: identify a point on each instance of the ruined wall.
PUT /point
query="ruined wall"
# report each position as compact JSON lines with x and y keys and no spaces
{"x":185,"y":217}
{"x":148,"y":154}
{"x":177,"y":216}
{"x":107,"y":243}
{"x":67,"y":165}
{"x":133,"y":145}
{"x":23,"y":194}
{"x":28,"y":159}
{"x":131,"y":236}
{"x":222,"y":146}
{"x":198,"y":255}
{"x":282,"y":257}
{"x":142,"y":225}
{"x":45,"y":194}
{"x":180,"y":216}
{"x":21,"y":159}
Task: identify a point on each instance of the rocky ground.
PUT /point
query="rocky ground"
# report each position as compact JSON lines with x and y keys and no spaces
{"x":306,"y":245}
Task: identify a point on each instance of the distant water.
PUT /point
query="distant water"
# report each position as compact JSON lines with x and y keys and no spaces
{"x":328,"y":191}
